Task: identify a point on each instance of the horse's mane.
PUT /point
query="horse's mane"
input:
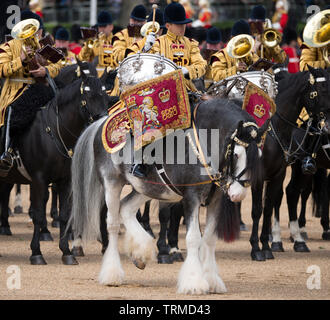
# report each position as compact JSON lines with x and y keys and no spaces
{"x":67,"y":93}
{"x":70,"y":91}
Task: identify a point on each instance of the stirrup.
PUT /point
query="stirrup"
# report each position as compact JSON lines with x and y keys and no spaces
{"x":6,"y":163}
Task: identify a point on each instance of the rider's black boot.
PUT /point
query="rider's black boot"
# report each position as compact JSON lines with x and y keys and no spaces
{"x":138,"y":170}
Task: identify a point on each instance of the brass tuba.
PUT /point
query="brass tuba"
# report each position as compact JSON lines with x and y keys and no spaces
{"x":26,"y":32}
{"x":240,"y":48}
{"x":317,"y":32}
{"x":271,"y":37}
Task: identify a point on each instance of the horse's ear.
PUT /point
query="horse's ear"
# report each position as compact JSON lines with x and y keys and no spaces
{"x":104,"y":76}
{"x":263,"y":128}
{"x":95,"y":62}
{"x":239,"y":128}
{"x":312,"y":71}
{"x":79,"y":63}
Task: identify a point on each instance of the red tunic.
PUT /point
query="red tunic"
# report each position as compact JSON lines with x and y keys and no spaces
{"x":293,"y":65}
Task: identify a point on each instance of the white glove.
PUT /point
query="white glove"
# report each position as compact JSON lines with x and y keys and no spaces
{"x":151,"y":38}
{"x":185,"y":71}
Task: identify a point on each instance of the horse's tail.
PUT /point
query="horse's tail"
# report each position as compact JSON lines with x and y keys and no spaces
{"x":319,"y":192}
{"x":228,"y":220}
{"x":87,"y":190}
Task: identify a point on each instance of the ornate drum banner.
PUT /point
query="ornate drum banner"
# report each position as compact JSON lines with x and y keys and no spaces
{"x":152,"y":107}
{"x":258,"y":104}
{"x":157,"y":105}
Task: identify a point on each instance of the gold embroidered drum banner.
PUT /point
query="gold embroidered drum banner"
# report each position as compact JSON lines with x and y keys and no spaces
{"x":151,"y":108}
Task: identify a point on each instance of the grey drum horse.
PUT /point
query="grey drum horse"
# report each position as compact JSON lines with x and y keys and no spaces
{"x":98,"y":176}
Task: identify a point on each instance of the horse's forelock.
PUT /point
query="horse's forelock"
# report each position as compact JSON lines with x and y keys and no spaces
{"x":254,"y":164}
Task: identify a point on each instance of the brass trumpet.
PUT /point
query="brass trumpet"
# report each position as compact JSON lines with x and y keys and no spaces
{"x":240,"y":48}
{"x":89,"y":35}
{"x":317,"y":32}
{"x":149,"y":27}
{"x":271,"y":38}
{"x":26,"y":32}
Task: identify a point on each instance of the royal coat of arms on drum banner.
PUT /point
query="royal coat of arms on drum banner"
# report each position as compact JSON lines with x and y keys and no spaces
{"x":258,"y":104}
{"x":151,"y":108}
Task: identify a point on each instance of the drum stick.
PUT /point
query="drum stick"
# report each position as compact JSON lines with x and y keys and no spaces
{"x":154,"y":7}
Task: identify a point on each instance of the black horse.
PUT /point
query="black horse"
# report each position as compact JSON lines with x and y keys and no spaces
{"x":281,"y":148}
{"x":46,"y":150}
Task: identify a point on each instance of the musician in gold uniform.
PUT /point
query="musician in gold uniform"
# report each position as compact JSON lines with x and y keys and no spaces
{"x":139,"y":45}
{"x":178,"y":48}
{"x":224,"y":66}
{"x":317,"y":57}
{"x":314,"y":57}
{"x":62,"y":43}
{"x":258,"y":17}
{"x":213,"y":45}
{"x":125,"y":38}
{"x":20,"y":81}
{"x":183,"y":51}
{"x":103,"y":46}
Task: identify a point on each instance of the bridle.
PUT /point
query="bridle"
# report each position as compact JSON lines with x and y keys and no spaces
{"x":89,"y":118}
{"x":226,"y":176}
{"x":310,"y":130}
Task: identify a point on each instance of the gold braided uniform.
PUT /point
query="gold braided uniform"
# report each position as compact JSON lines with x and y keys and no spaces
{"x":69,"y":59}
{"x":104,"y":50}
{"x":224,"y":66}
{"x":13,"y":70}
{"x":207,"y":55}
{"x":121,"y":42}
{"x":184,"y":52}
{"x":275,"y":54}
{"x":136,"y":47}
{"x":312,"y":57}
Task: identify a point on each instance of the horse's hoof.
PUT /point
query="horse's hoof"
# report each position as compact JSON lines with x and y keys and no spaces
{"x":277,"y":246}
{"x":55,"y":224}
{"x":54,"y":213}
{"x":258,"y":255}
{"x":5,"y":231}
{"x":304,"y":235}
{"x":38,"y":260}
{"x":46,"y":236}
{"x":300,"y":246}
{"x":69,"y":260}
{"x":18,"y":209}
{"x":78,"y":252}
{"x":326,"y":235}
{"x":268,"y":254}
{"x":139,"y":264}
{"x":164,"y":259}
{"x":177,"y":257}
